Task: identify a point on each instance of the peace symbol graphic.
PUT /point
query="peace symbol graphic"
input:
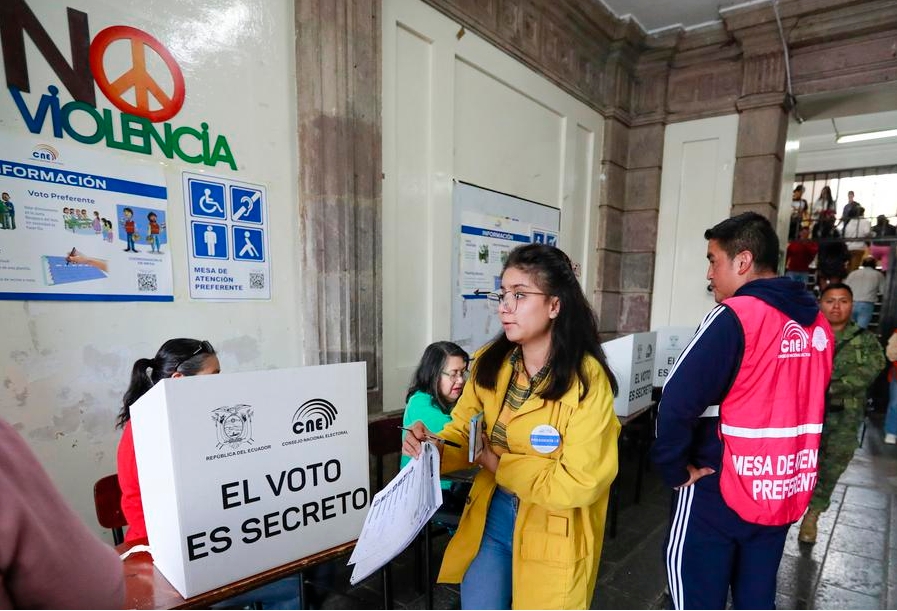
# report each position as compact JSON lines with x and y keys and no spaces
{"x":137,"y":77}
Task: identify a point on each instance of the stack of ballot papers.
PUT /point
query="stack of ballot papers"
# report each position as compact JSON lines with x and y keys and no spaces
{"x":398,"y":513}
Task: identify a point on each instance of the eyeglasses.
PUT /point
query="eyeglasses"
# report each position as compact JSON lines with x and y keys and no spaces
{"x":510,"y":298}
{"x":456,"y":375}
{"x":204,"y":346}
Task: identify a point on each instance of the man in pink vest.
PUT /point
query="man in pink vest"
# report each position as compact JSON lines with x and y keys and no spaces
{"x":739,"y":423}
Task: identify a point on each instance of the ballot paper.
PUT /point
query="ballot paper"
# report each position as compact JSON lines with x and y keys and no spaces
{"x":398,"y":513}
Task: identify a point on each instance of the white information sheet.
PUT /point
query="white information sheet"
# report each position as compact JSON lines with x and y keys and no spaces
{"x":81,"y":224}
{"x":227,"y":238}
{"x":398,"y":513}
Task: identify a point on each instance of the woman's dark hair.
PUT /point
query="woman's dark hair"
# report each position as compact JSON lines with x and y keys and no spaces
{"x":826,"y":196}
{"x":426,"y":377}
{"x":182,"y":355}
{"x":574,"y":333}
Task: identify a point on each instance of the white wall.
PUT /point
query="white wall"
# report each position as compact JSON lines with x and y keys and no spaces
{"x":695,"y":194}
{"x":65,"y":365}
{"x":459,"y":108}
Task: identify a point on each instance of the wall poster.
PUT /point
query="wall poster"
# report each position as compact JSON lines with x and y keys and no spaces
{"x":227,"y":238}
{"x":81,"y":224}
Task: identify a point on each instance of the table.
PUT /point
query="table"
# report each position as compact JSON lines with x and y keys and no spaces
{"x":147,"y":588}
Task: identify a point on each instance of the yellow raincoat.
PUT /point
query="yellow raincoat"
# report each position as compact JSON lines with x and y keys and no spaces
{"x":563,"y":495}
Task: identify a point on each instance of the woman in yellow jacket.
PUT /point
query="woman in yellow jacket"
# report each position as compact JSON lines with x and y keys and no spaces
{"x":533,"y":525}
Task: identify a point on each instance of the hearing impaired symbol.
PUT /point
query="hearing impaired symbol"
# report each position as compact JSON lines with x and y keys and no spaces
{"x":545,"y":439}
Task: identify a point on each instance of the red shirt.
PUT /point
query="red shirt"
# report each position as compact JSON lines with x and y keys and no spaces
{"x":799,"y":255}
{"x":131,"y":502}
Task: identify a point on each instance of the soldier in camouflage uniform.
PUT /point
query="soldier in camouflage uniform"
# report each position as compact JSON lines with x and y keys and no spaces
{"x":859,"y":358}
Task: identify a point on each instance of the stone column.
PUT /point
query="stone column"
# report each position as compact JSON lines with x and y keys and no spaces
{"x":611,"y":197}
{"x":762,"y":133}
{"x":641,"y":203}
{"x":338,"y":97}
{"x":763,"y":121}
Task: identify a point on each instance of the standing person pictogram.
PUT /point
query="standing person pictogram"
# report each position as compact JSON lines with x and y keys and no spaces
{"x":137,"y":78}
{"x":209,"y":240}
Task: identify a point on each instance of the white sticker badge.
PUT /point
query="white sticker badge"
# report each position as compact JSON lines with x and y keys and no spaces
{"x":545,"y":439}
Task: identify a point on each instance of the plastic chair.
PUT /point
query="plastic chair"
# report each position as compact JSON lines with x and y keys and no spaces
{"x":107,"y":501}
{"x":384,"y":439}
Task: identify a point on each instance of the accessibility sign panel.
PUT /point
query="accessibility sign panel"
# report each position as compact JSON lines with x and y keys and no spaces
{"x":227,"y":227}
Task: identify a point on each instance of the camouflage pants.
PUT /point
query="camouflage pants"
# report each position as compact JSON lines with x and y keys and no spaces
{"x":839,"y":440}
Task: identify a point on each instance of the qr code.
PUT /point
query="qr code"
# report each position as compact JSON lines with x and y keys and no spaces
{"x":256,"y":280}
{"x":147,"y":283}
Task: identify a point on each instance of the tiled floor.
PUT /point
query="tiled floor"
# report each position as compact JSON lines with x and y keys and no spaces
{"x":852,"y":566}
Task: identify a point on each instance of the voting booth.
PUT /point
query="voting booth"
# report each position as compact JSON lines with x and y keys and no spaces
{"x":243,"y":472}
{"x":671,"y":341}
{"x":631,"y":358}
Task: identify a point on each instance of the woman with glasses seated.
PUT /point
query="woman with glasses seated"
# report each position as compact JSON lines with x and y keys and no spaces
{"x":531,"y":533}
{"x":179,"y":358}
{"x":436,"y":386}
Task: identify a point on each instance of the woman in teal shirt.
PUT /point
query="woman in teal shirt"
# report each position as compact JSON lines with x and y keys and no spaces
{"x":435,"y":388}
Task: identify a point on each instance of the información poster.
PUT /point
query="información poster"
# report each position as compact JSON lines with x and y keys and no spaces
{"x":486,"y":242}
{"x":81,"y":224}
{"x":227,"y":238}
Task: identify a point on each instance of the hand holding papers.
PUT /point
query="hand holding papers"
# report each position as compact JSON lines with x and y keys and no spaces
{"x":397,"y":513}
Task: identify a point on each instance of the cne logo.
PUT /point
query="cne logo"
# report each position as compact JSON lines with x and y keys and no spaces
{"x":820,"y":341}
{"x":794,"y":341}
{"x":44,"y":152}
{"x":233,"y":425}
{"x":314,"y":415}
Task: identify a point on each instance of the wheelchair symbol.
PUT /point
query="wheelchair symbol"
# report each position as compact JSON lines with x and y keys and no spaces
{"x":208,"y":203}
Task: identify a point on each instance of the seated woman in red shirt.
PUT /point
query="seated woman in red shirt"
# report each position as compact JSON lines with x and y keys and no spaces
{"x":175,"y":359}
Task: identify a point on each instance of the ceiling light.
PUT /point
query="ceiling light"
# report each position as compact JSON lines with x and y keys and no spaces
{"x":885,"y":133}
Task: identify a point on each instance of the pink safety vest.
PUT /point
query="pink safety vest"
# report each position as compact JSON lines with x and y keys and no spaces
{"x":771,"y":418}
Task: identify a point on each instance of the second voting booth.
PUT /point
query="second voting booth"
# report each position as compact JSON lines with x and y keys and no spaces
{"x":631,"y":358}
{"x":244,"y":472}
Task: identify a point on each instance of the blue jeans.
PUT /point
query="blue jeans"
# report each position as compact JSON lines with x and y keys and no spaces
{"x":862,"y":313}
{"x":280,"y":594}
{"x":487,"y":582}
{"x":891,"y":418}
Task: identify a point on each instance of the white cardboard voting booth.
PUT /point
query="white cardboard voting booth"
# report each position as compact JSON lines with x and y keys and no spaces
{"x":243,"y":472}
{"x":631,"y":358}
{"x":671,"y":341}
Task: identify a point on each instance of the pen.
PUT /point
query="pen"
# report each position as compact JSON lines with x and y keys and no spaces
{"x":71,"y":254}
{"x":435,"y":438}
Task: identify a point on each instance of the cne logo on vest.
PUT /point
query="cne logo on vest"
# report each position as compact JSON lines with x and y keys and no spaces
{"x":795,"y":341}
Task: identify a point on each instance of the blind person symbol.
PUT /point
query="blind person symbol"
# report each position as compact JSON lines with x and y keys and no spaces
{"x":248,"y":244}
